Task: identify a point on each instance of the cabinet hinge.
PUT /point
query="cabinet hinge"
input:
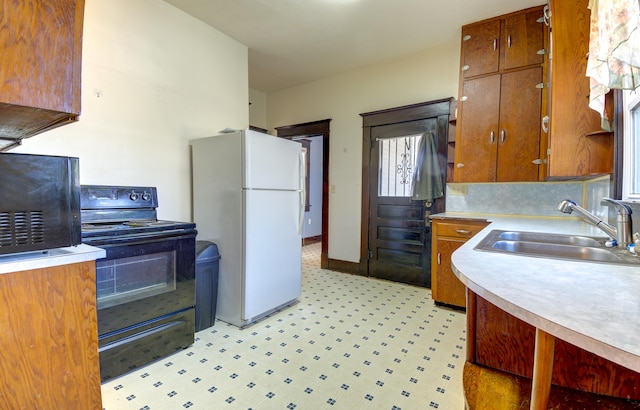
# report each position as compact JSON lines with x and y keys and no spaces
{"x":369,"y":254}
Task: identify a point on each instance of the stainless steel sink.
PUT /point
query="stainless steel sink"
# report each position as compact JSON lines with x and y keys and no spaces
{"x":541,"y":237}
{"x":555,"y":246}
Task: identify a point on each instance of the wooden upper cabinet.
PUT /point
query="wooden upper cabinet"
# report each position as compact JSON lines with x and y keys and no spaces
{"x":518,"y":136}
{"x":523,"y":40}
{"x":499,"y":137}
{"x":477,"y":127}
{"x":40,"y":68}
{"x":480,"y":48}
{"x":502,"y":43}
{"x":577,"y":143}
{"x":500,"y":100}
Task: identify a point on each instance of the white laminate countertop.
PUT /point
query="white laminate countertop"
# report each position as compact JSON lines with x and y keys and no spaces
{"x":52,"y":257}
{"x":595,"y":306}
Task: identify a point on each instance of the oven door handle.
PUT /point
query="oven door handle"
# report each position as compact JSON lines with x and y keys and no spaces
{"x":138,"y":238}
{"x":140,"y":335}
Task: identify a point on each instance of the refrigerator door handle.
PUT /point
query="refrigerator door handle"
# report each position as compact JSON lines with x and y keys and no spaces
{"x":301,"y":211}
{"x":303,"y":199}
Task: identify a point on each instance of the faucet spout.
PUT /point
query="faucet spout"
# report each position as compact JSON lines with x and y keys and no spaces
{"x":567,"y":206}
{"x":623,"y":220}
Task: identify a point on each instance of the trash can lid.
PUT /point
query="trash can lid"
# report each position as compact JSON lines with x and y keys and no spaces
{"x":206,"y":250}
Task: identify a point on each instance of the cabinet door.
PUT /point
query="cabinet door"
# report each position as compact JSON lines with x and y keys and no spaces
{"x":41,"y":45}
{"x":480,"y":48}
{"x":448,"y":236}
{"x":476,"y":143}
{"x":446,"y":287}
{"x":41,"y":62}
{"x":522,"y":39}
{"x":519,"y":135}
{"x":578,"y":148}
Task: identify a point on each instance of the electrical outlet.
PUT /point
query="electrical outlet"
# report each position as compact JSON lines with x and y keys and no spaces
{"x":309,"y":221}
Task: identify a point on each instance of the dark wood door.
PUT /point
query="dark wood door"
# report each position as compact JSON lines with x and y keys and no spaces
{"x":399,"y":239}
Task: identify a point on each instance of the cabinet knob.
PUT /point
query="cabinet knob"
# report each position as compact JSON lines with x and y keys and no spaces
{"x":464,"y":98}
{"x":509,"y":41}
{"x":465,"y":67}
{"x":503,"y":136}
{"x":492,"y":137}
{"x":537,"y":161}
{"x":540,"y":85}
{"x":459,"y":165}
{"x":541,"y":52}
{"x":463,"y":231}
{"x":466,"y":38}
{"x":495,"y":44}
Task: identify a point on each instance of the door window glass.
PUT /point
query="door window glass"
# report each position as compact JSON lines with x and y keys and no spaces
{"x":396,"y":165}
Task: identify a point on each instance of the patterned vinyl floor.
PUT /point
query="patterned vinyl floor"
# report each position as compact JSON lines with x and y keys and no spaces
{"x":350,"y":343}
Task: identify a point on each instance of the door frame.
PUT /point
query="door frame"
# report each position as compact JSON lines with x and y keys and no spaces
{"x":436,"y":108}
{"x":310,"y":129}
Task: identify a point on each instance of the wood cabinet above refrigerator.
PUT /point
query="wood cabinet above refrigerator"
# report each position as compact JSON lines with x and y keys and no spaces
{"x":41,"y":45}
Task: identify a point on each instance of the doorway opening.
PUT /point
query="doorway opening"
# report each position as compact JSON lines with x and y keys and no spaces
{"x":315,"y":135}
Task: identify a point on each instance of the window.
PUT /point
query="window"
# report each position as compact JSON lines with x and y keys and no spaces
{"x":396,"y":165}
{"x":631,"y":167}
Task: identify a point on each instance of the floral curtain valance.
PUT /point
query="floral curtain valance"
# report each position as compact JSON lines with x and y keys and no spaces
{"x":614,"y":50}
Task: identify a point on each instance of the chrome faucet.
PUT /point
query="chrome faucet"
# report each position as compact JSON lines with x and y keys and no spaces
{"x":622,"y":234}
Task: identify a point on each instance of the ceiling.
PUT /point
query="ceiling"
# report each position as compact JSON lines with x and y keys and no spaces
{"x":292,"y":42}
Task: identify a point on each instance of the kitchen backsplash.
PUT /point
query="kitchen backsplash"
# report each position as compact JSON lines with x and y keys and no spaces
{"x":527,"y":198}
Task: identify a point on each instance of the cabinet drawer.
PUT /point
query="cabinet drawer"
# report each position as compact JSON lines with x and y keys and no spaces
{"x":463,"y":230}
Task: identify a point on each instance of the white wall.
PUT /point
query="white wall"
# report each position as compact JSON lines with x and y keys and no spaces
{"x":163,"y":78}
{"x":258,"y":108}
{"x":427,"y":76}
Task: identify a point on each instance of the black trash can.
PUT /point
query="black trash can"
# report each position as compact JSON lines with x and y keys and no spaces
{"x":207,"y":269}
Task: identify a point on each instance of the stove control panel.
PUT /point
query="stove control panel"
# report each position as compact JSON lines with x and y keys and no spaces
{"x":117,"y":197}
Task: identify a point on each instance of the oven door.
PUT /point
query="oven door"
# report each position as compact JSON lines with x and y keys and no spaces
{"x":144,"y":278}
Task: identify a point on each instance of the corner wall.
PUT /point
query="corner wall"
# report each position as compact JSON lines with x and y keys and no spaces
{"x":430,"y":75}
{"x":153,"y":78}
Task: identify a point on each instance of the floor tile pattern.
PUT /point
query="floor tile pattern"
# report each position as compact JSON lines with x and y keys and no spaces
{"x":350,"y":343}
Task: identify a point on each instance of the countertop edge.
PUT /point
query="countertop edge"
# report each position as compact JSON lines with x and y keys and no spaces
{"x":561,"y":325}
{"x":54,"y":257}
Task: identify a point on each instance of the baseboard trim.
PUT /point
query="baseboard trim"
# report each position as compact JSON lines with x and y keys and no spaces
{"x":348,"y":267}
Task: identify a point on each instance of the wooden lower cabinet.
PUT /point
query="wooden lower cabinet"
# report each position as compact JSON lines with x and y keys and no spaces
{"x":447,"y":236}
{"x":498,"y":340}
{"x":49,"y":339}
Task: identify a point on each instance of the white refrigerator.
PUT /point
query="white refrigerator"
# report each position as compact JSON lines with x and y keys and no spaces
{"x":248,"y":198}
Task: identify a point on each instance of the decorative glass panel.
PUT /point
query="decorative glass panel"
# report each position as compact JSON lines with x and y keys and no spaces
{"x":396,"y":164}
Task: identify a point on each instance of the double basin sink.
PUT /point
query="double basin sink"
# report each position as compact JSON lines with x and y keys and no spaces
{"x":555,"y":246}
